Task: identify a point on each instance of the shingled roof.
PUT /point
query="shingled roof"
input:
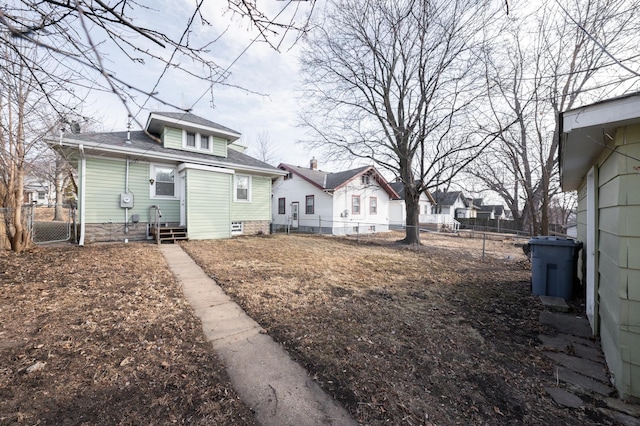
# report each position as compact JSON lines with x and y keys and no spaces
{"x":140,"y":145}
{"x":399,"y":188}
{"x":447,"y":198}
{"x":331,"y":181}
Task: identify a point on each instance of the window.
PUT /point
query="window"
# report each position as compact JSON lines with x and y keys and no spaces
{"x":373,"y":205}
{"x":355,"y":204}
{"x":309,"y":203}
{"x":205,"y":143}
{"x":364,"y":179}
{"x":41,"y":195}
{"x":236,"y":228}
{"x":288,"y":176}
{"x":282,"y":209}
{"x":164,"y":181}
{"x":191,"y":140}
{"x":196,"y":141}
{"x":243,"y":188}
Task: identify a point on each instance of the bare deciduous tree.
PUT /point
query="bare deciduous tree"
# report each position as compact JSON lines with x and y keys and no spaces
{"x":393,"y":82}
{"x":71,"y":39}
{"x":545,"y":64}
{"x":263,"y":148}
{"x":20,"y":131}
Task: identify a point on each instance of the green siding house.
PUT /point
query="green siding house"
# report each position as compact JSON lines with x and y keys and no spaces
{"x":181,"y":174}
{"x":600,"y":158}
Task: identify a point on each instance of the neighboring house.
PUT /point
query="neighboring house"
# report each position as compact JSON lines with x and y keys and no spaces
{"x":491,"y":211}
{"x":182,"y":174}
{"x":398,"y":208}
{"x":571,"y":230}
{"x":38,"y":193}
{"x":454,"y":204}
{"x":600,"y":158}
{"x":348,"y":202}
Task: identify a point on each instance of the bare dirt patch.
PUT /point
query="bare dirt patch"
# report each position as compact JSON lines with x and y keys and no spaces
{"x":427,"y":335}
{"x":102,"y":335}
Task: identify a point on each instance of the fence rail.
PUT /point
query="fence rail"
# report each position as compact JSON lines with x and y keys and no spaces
{"x":45,"y":223}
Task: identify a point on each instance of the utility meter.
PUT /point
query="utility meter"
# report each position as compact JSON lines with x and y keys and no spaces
{"x":126,"y":200}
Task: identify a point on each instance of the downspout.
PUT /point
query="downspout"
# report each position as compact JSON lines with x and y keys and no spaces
{"x":126,"y":179}
{"x":83,"y":173}
{"x":126,"y":191}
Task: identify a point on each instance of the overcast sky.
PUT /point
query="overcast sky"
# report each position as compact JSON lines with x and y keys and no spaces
{"x":264,"y":99}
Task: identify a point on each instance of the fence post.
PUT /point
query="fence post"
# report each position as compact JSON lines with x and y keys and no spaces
{"x":484,"y":240}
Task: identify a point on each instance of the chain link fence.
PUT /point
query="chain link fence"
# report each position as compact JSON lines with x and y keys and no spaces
{"x":52,"y":223}
{"x":46,"y":224}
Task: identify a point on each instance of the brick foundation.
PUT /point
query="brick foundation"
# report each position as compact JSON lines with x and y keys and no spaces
{"x":255,"y":227}
{"x":105,"y":232}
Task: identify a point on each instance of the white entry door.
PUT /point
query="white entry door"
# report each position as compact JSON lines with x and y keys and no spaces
{"x":294,"y":214}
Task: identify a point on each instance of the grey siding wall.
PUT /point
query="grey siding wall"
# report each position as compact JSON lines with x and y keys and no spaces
{"x":618,"y":265}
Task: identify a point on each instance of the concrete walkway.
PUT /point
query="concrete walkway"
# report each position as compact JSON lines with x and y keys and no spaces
{"x":276,"y":388}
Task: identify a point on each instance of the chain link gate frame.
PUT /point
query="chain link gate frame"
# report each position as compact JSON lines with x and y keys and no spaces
{"x":51,"y":223}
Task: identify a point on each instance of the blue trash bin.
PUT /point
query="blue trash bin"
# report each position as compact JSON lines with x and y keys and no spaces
{"x":554,"y":266}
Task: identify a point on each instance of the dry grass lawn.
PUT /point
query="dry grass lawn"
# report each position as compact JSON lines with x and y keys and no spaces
{"x":399,"y":335}
{"x":102,"y":335}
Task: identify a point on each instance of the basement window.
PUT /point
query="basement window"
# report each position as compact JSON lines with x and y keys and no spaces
{"x":236,"y":228}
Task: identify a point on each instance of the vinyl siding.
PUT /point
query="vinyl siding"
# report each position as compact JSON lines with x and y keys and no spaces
{"x":208,"y":206}
{"x":106,"y":181}
{"x":172,"y":138}
{"x":219,"y":147}
{"x":259,"y":208}
{"x":104,"y":184}
{"x":619,"y":259}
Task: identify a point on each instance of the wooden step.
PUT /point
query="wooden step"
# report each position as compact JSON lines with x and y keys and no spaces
{"x":170,"y":234}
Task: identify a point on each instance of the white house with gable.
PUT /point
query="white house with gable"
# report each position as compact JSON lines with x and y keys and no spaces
{"x":349,"y":202}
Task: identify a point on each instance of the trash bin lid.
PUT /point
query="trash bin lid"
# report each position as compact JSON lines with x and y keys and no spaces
{"x":549,"y":240}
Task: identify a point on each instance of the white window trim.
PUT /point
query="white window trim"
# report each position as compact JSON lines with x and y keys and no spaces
{"x":196,"y":148}
{"x":152,"y":188}
{"x":235,"y":189}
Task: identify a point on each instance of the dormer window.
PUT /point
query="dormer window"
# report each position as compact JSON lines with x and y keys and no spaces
{"x":196,"y":141}
{"x":190,"y":140}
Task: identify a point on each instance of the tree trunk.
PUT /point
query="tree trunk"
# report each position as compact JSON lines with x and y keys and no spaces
{"x":411,"y":200}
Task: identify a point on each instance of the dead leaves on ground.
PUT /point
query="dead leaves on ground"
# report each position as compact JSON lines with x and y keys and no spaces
{"x":102,"y":335}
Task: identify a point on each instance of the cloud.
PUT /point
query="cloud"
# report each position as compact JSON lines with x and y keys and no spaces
{"x":259,"y":96}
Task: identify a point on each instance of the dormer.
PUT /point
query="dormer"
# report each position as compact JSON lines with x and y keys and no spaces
{"x":188,"y":132}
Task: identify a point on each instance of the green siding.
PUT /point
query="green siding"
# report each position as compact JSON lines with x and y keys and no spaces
{"x":219,"y":147}
{"x":172,"y":138}
{"x":106,"y":181}
{"x":208,"y":206}
{"x":259,"y":208}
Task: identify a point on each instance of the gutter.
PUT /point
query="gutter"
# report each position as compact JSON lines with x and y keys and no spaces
{"x":83,"y":172}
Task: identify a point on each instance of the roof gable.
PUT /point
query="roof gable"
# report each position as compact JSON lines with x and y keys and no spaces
{"x":187,"y":121}
{"x":398,"y":187}
{"x":328,"y":181}
{"x":587,"y":130}
{"x":448,"y":198}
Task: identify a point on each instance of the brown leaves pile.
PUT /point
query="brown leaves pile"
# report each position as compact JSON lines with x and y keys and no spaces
{"x":103,"y":335}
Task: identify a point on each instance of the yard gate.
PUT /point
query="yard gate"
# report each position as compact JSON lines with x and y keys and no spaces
{"x":52,"y":223}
